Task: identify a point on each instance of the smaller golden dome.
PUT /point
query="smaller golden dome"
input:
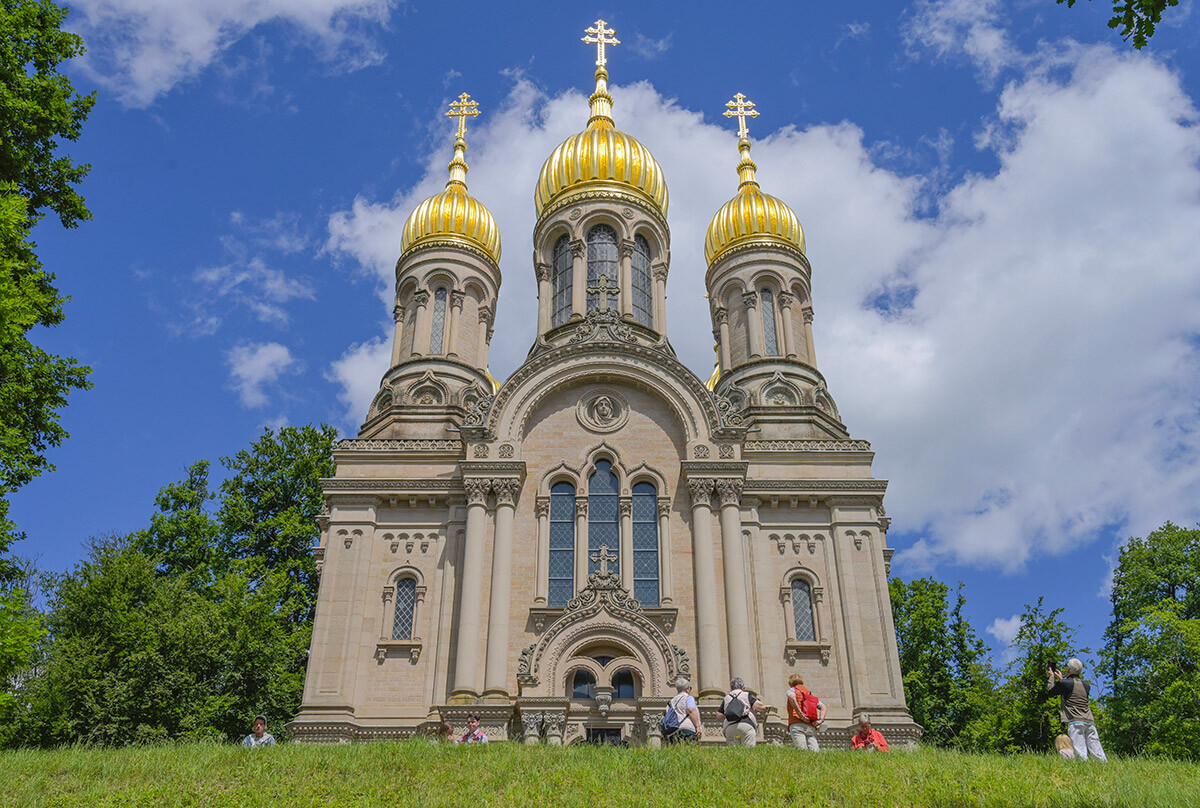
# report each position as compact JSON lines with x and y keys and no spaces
{"x":751,"y":217}
{"x":454,"y":215}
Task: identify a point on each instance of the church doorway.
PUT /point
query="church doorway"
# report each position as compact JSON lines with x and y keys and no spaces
{"x":604,"y":736}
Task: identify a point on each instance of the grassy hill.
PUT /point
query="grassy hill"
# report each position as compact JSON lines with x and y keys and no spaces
{"x":416,"y":773}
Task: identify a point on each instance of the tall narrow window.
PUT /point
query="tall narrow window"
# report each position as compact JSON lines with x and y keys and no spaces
{"x":583,"y":685}
{"x":602,"y":257}
{"x":561,"y":280}
{"x":406,"y":605}
{"x":642,"y":296}
{"x":603,"y":515}
{"x":562,"y":544}
{"x":623,"y":685}
{"x":770,"y":341}
{"x":645,"y":544}
{"x":802,"y":615}
{"x":439,"y":321}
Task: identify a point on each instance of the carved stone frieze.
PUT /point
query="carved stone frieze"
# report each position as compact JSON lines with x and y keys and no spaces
{"x":398,"y":445}
{"x":806,"y":446}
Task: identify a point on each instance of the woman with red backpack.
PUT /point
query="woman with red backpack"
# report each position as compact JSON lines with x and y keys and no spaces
{"x":806,"y":713}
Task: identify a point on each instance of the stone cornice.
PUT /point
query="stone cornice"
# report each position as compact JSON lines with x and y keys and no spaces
{"x":822,"y":486}
{"x":832,"y":445}
{"x":390,"y":485}
{"x":441,"y":446}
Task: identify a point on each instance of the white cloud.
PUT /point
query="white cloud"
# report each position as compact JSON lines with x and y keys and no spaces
{"x":950,"y":28}
{"x":853,"y":30}
{"x":252,"y":367}
{"x":649,"y":48}
{"x":358,"y":372}
{"x":141,"y":49}
{"x":1037,"y":381}
{"x":254,"y":284}
{"x":1005,"y":629}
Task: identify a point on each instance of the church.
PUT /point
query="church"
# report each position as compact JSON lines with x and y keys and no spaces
{"x":552,"y":553}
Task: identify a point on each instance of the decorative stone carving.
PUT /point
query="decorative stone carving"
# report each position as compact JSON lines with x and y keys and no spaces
{"x":700,"y":452}
{"x":725,"y":452}
{"x":541,"y":507}
{"x":543,"y":271}
{"x":664,"y":507}
{"x":806,"y":446}
{"x":531,"y":723}
{"x":457,"y":298}
{"x":721,"y":315}
{"x":420,"y":298}
{"x":625,"y":507}
{"x":603,"y":326}
{"x":729,"y":492}
{"x":397,"y":313}
{"x":506,"y":451}
{"x":480,"y":450}
{"x":730,"y":413}
{"x":479,"y":412}
{"x":659,"y":272}
{"x":701,"y":491}
{"x":575,"y":214}
{"x":602,"y":411}
{"x":506,"y":489}
{"x":580,"y":507}
{"x":750,"y":299}
{"x":626,"y":249}
{"x":627,"y":213}
{"x":477,"y":490}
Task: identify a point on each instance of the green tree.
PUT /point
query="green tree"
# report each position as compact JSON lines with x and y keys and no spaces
{"x":1135,"y":18}
{"x":1152,"y":646}
{"x":38,"y":110}
{"x":20,"y":630}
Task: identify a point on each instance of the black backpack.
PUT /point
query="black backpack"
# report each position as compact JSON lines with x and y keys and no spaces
{"x":736,"y":710}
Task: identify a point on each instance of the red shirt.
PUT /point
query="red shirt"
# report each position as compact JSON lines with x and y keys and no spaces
{"x":860,"y":741}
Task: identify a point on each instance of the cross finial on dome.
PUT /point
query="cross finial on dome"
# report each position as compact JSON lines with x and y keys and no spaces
{"x":741,"y":109}
{"x":600,"y":36}
{"x":462,"y":109}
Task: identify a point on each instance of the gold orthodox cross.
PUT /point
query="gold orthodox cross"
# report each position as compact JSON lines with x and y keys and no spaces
{"x":600,"y":36}
{"x":602,"y":558}
{"x":741,"y":109}
{"x":462,"y":109}
{"x":603,"y":287}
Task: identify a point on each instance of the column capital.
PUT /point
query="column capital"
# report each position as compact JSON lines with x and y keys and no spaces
{"x":660,"y":272}
{"x":581,"y":508}
{"x":420,"y":298}
{"x":721,"y":315}
{"x":786,"y":299}
{"x":701,"y":490}
{"x":457,"y":298}
{"x":750,"y":299}
{"x":477,"y":490}
{"x":729,"y":492}
{"x":577,"y":247}
{"x":625,"y":506}
{"x":506,"y":489}
{"x":626,"y":248}
{"x":808,"y":315}
{"x":485,"y":315}
{"x":397,"y":313}
{"x":541,"y":507}
{"x":543,"y":271}
{"x":664,"y":507}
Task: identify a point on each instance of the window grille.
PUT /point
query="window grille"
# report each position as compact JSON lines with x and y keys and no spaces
{"x":642,"y":294}
{"x":770,"y":340}
{"x":645,"y":544}
{"x":603,"y":516}
{"x":406,"y":606}
{"x":802,"y":612}
{"x":439,"y":321}
{"x":561,"y":280}
{"x":602,"y":257}
{"x":562,"y":545}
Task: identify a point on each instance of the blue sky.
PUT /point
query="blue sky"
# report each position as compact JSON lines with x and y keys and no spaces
{"x":1001,"y":201}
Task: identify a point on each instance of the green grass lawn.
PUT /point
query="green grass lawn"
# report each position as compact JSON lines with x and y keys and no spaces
{"x":418,"y":773}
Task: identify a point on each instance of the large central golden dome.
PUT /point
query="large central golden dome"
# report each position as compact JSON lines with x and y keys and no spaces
{"x":601,"y":159}
{"x":751,"y":217}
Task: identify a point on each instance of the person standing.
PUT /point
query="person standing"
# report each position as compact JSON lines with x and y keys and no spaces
{"x":1075,"y":710}
{"x":739,"y":707}
{"x":684,"y":705}
{"x":260,"y":737}
{"x":805,"y":713}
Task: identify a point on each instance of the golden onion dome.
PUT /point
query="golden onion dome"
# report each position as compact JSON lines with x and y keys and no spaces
{"x":601,"y":158}
{"x":751,"y":217}
{"x":453,"y":215}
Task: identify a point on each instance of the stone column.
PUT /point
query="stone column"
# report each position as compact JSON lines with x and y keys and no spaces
{"x":708,"y":642}
{"x":451,"y":567}
{"x":578,"y":280}
{"x":495,"y":679}
{"x":555,"y":723}
{"x":721,"y":315}
{"x":653,"y":730}
{"x":808,"y":337}
{"x":625,"y":504}
{"x":466,"y":672}
{"x":666,"y":590}
{"x":786,"y":299}
{"x":737,"y":612}
{"x":453,"y":316}
{"x":625,"y":282}
{"x":660,"y":298}
{"x":545,"y":297}
{"x":754,"y":345}
{"x":421,"y":323}
{"x":485,"y":326}
{"x":541,"y":587}
{"x":398,"y":333}
{"x":581,"y":542}
{"x":531,"y":724}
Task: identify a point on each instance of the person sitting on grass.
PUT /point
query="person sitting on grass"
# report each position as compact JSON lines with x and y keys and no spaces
{"x":866,"y":738}
{"x":260,"y":737}
{"x":1076,"y":710}
{"x":1063,"y":744}
{"x":474,"y":733}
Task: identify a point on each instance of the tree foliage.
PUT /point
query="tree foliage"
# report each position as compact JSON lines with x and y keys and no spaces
{"x":1135,"y":18}
{"x":1152,"y":646}
{"x":189,"y":627}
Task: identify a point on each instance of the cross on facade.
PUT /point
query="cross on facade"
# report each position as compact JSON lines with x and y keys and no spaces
{"x":741,"y":109}
{"x":600,"y":36}
{"x":462,"y":109}
{"x":603,"y":557}
{"x":603,"y":287}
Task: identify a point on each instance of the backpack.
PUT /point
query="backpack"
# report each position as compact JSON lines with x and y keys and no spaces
{"x":737,"y":710}
{"x":671,"y":718}
{"x":808,"y":706}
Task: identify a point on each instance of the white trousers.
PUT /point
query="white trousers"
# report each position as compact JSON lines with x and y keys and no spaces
{"x":1085,"y":739}
{"x":741,"y":733}
{"x":804,"y":736}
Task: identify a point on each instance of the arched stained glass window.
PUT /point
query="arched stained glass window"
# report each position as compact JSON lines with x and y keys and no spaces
{"x":406,"y":607}
{"x":623,"y":685}
{"x":602,"y":259}
{"x":642,"y":295}
{"x":802,"y":612}
{"x":603,"y":516}
{"x":562,"y":544}
{"x":561,"y":279}
{"x":645,"y":544}
{"x":583,"y":685}
{"x":770,"y":340}
{"x":439,"y":321}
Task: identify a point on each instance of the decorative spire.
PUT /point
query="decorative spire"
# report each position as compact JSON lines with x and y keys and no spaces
{"x":601,"y":101}
{"x":742,"y":109}
{"x":462,"y":109}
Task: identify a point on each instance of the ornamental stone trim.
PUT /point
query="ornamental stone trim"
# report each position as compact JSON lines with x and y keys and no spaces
{"x":806,"y":446}
{"x":398,"y":445}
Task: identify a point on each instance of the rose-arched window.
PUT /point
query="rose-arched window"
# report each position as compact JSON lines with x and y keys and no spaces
{"x":645,"y":544}
{"x":603,"y":516}
{"x":562,"y":544}
{"x":770,"y":340}
{"x":623,"y":685}
{"x":439,"y":321}
{"x":642,"y":296}
{"x":602,"y":259}
{"x":561,"y":281}
{"x":802,"y":611}
{"x":583,"y":685}
{"x":406,"y":607}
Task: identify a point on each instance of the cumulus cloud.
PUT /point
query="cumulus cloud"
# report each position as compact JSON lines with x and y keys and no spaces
{"x":649,"y":48}
{"x":1005,"y":629}
{"x":255,"y":366}
{"x":953,"y":28}
{"x":1021,"y":350}
{"x":141,"y":49}
{"x":357,"y":372}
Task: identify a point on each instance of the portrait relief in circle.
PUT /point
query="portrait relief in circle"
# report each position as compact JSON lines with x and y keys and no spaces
{"x":602,"y":411}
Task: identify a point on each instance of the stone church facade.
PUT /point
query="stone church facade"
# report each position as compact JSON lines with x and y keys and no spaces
{"x":552,"y":553}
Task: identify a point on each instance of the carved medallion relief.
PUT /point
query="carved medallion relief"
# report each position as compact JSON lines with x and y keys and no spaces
{"x":602,"y":411}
